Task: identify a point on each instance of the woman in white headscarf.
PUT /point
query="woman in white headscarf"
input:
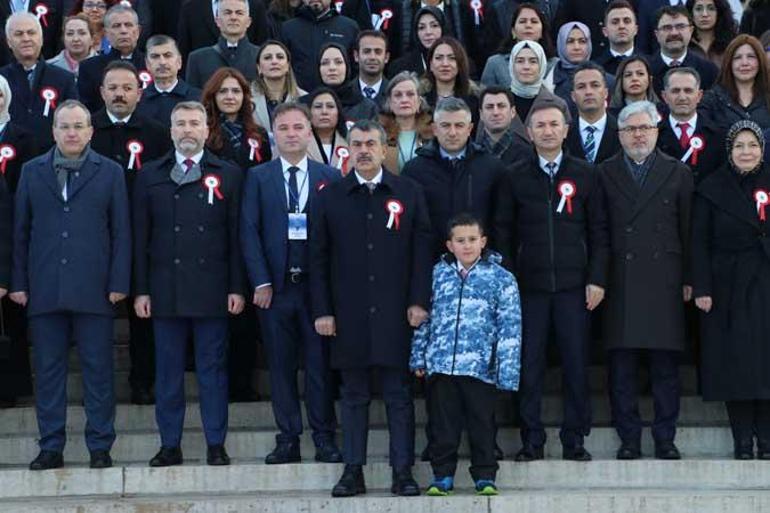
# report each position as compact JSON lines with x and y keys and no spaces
{"x":16,"y":144}
{"x":528,"y":67}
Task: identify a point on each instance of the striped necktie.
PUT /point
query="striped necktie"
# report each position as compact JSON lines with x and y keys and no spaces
{"x":589,"y":144}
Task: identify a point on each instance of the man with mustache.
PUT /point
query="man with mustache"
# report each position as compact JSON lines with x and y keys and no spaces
{"x":131,"y":140}
{"x":163,"y":63}
{"x":674,"y":31}
{"x":370,"y":279}
{"x":188,"y":277}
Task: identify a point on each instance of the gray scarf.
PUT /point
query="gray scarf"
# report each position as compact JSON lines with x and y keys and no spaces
{"x":63,"y":166}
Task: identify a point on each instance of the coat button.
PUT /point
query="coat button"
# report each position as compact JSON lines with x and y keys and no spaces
{"x":64,"y":261}
{"x":177,"y":228}
{"x":629,"y":229}
{"x":176,"y":196}
{"x":64,"y":235}
{"x":629,"y":256}
{"x":371,"y":277}
{"x":66,"y":209}
{"x":200,"y":228}
{"x":176,"y":261}
{"x":200,"y":195}
{"x":656,"y":255}
{"x":370,"y":216}
{"x":372,"y":310}
{"x":370,"y":246}
{"x":201,"y":261}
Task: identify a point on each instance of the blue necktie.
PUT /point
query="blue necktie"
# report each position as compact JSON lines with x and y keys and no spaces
{"x":369,"y":92}
{"x":589,"y":145}
{"x":293,"y":190}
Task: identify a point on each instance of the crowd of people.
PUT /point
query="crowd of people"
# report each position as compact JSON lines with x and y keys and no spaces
{"x":385,"y":193}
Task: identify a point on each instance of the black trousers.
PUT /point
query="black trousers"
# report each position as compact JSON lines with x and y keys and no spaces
{"x":624,"y":393}
{"x":141,"y":349}
{"x":457,"y":402}
{"x":749,"y":419}
{"x":15,"y":372}
{"x":242,"y":358}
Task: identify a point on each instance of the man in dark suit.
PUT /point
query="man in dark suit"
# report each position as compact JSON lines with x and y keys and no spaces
{"x":163,"y":63}
{"x":37,"y":87}
{"x":594,"y":134}
{"x":188,"y":276}
{"x":649,"y":195}
{"x":71,"y":264}
{"x":674,"y":32}
{"x":131,"y":140}
{"x":198,"y":28}
{"x":501,"y":133}
{"x":684,"y":131}
{"x":371,"y":55}
{"x":50,"y":13}
{"x":370,"y":261}
{"x":620,"y":29}
{"x":233,"y":48}
{"x":275,"y":248}
{"x":121,"y":26}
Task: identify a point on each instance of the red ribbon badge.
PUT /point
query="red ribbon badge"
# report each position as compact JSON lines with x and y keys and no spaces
{"x":212,"y":183}
{"x":254,"y":152}
{"x":338,"y":6}
{"x":395,"y":209}
{"x":762,"y":199}
{"x":7,"y":152}
{"x":696,"y":146}
{"x":135,"y":148}
{"x":41,"y":11}
{"x":384,"y":19}
{"x":146,"y":79}
{"x":567,"y":191}
{"x":478,"y":11}
{"x":50,"y":95}
{"x":343,"y":155}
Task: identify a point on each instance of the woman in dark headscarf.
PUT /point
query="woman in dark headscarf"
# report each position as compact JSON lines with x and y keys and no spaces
{"x":731,"y":286}
{"x":429,"y":27}
{"x":335,"y":72}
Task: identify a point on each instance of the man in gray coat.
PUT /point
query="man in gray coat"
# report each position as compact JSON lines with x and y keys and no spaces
{"x":648,"y":198}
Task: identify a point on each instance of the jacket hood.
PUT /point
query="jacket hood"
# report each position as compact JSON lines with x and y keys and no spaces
{"x":436,"y":13}
{"x":487,"y":255}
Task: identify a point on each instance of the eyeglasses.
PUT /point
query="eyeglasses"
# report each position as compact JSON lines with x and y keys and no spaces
{"x":94,"y":5}
{"x":679,"y":27}
{"x":634,"y":129}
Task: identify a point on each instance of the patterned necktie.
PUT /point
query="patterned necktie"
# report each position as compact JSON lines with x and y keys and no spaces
{"x":293,"y":190}
{"x":684,"y":137}
{"x":371,"y":186}
{"x":675,"y":64}
{"x":30,"y":77}
{"x":188,"y":164}
{"x":589,"y":145}
{"x":551,"y":166}
{"x":370,"y":92}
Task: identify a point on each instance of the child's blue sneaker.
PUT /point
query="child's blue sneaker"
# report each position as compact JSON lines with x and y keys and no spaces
{"x":486,"y":487}
{"x":441,"y":487}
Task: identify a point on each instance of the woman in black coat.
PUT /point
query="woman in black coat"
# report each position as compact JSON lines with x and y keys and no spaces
{"x":429,"y":25}
{"x":731,"y":286}
{"x":335,"y":72}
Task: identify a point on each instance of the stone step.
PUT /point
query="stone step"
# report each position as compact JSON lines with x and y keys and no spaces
{"x":251,"y":445}
{"x":259,"y":415}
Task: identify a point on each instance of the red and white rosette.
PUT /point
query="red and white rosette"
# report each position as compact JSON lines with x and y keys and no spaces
{"x":395,"y":209}
{"x":41,"y":12}
{"x":7,"y":152}
{"x":338,"y":6}
{"x":50,"y":95}
{"x":349,"y":124}
{"x":478,"y":11}
{"x":343,"y":156}
{"x":212,"y":183}
{"x":254,"y":151}
{"x":762,"y":199}
{"x":146,"y":78}
{"x":696,"y":146}
{"x":135,"y":148}
{"x":567,"y":191}
{"x":384,"y":19}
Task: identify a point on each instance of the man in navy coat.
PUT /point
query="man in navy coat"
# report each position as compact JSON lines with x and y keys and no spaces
{"x":277,"y":201}
{"x":188,"y":276}
{"x":370,"y":272}
{"x":71,"y":264}
{"x":37,"y":87}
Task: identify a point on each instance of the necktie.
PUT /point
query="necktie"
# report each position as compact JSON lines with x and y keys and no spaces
{"x":589,"y":145}
{"x":293,"y":190}
{"x":31,"y":77}
{"x":675,"y":64}
{"x":371,"y":186}
{"x":369,"y":92}
{"x":188,"y":164}
{"x":684,"y":138}
{"x":551,"y":166}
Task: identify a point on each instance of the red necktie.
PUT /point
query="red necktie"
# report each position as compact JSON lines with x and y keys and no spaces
{"x":684,"y":137}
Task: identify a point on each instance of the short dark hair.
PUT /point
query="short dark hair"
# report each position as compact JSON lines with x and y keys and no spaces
{"x":283,"y":108}
{"x":549,"y":103}
{"x":588,"y":66}
{"x":463,"y":219}
{"x":685,"y":70}
{"x":496,"y":90}
{"x":619,"y":4}
{"x":669,"y":10}
{"x":371,"y":33}
{"x":121,"y":64}
{"x":161,"y":39}
{"x":367,"y":125}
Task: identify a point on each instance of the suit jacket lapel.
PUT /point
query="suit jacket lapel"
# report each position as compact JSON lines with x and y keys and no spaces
{"x":619,"y":174}
{"x":279,"y":184}
{"x":48,"y":175}
{"x":80,"y":178}
{"x":604,"y":149}
{"x":656,"y":177}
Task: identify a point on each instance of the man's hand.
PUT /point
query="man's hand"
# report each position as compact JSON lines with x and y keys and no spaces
{"x":420,"y":373}
{"x":687,"y":293}
{"x":19,"y":298}
{"x":3,"y":292}
{"x":235,"y":303}
{"x":142,"y":307}
{"x":326,"y":326}
{"x":704,"y":303}
{"x":116,"y":296}
{"x":594,"y":296}
{"x":416,"y":315}
{"x":263,"y":296}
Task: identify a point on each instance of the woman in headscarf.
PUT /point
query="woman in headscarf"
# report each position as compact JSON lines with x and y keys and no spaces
{"x":528,"y":67}
{"x":731,"y":287}
{"x":429,"y":26}
{"x":573,"y":45}
{"x":633,"y":83}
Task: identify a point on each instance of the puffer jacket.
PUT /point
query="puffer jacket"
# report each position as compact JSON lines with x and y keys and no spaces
{"x":474,"y":328}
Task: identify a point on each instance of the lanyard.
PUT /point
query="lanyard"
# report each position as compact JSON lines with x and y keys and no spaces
{"x":299,"y":190}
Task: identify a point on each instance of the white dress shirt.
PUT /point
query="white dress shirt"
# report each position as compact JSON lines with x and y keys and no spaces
{"x":690,"y":130}
{"x":303,"y":185}
{"x":543,"y":162}
{"x":376,"y":87}
{"x":599,"y":128}
{"x":181,"y":158}
{"x":376,"y":180}
{"x":114,"y":119}
{"x":166,"y":90}
{"x":668,"y":60}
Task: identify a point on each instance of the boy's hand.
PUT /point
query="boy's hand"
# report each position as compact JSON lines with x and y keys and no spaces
{"x":594,"y":296}
{"x":416,"y":315}
{"x":325,"y":326}
{"x":420,"y":373}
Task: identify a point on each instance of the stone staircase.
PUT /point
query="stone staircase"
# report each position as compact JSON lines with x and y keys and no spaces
{"x":707,"y":480}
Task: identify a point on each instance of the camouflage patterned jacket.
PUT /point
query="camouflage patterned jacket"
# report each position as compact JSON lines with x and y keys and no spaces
{"x":474,"y":328}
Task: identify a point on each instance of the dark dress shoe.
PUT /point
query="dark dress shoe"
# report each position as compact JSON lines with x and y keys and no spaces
{"x":351,"y":483}
{"x":628,"y":451}
{"x":167,"y":457}
{"x":328,"y":453}
{"x":575,"y":453}
{"x":529,"y":453}
{"x":217,"y":455}
{"x":47,"y":460}
{"x":745,"y":452}
{"x":100,"y":459}
{"x":284,"y":453}
{"x":763,"y":453}
{"x":244,"y":395}
{"x":667,"y":451}
{"x":425,"y":455}
{"x":142,"y":396}
{"x":498,"y":453}
{"x":404,"y":484}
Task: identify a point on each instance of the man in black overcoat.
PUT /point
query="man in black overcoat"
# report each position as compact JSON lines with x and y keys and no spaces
{"x":648,"y":196}
{"x":50,"y":13}
{"x":370,"y":272}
